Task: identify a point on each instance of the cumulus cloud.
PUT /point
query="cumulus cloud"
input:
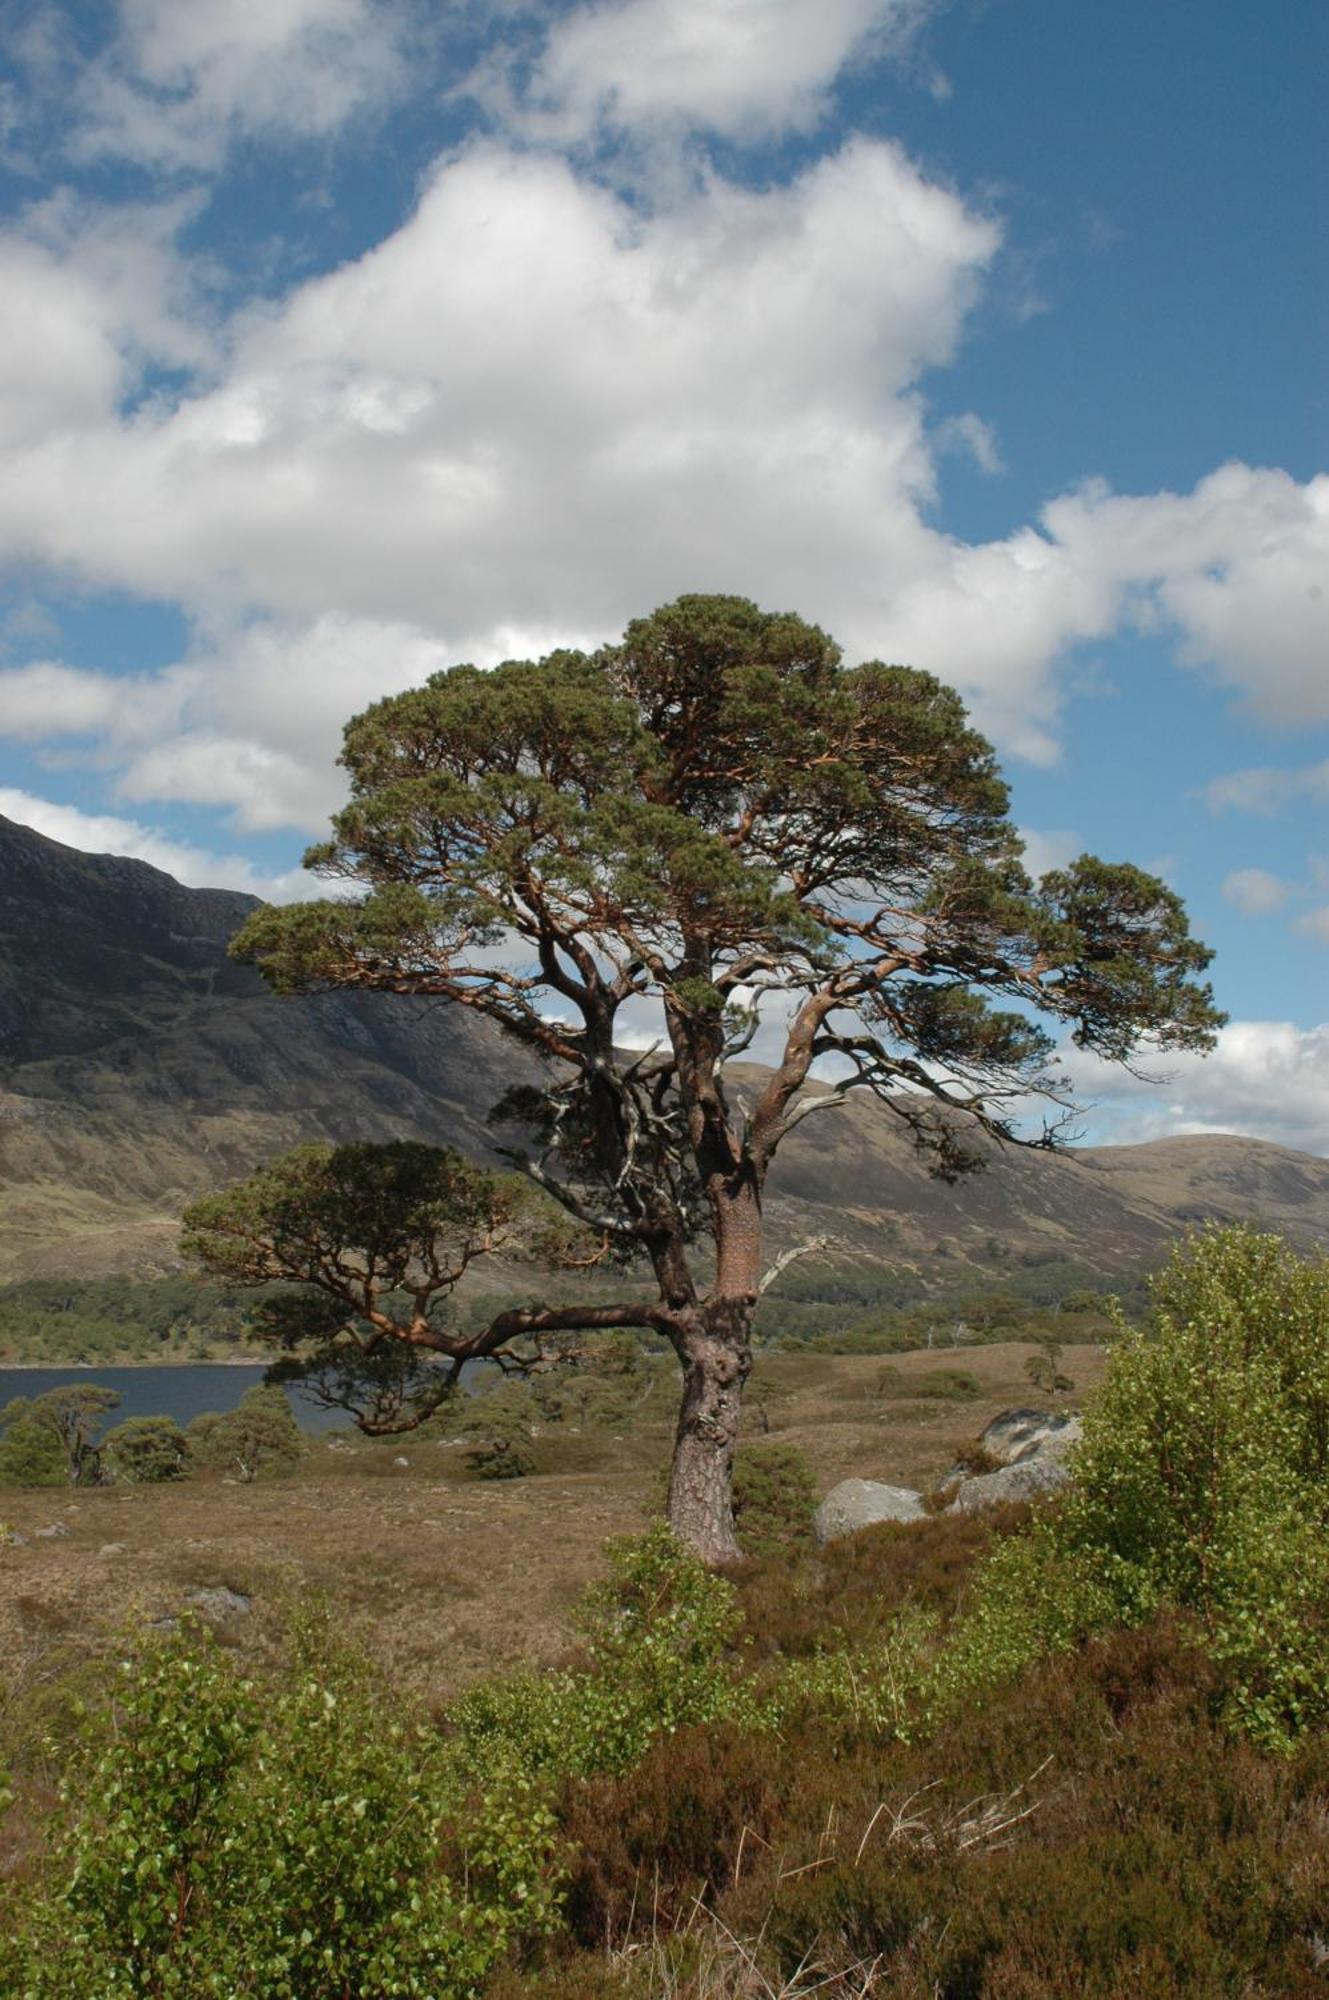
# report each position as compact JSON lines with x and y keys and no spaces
{"x":1237,"y":568}
{"x":101,"y":833}
{"x":250,"y":721}
{"x":541,"y":405}
{"x":1265,"y":1080}
{"x":96,"y":293}
{"x":1255,"y":892}
{"x":741,"y":68}
{"x":177,"y":85}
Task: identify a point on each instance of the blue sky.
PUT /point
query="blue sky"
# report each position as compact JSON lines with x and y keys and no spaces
{"x":347,"y":338}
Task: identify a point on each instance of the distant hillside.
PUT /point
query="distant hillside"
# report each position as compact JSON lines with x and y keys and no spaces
{"x":139,"y":1066}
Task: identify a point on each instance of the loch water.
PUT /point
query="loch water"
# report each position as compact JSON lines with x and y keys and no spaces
{"x":183,"y":1390}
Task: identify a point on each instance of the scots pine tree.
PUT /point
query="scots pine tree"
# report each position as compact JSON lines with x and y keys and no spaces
{"x":711,"y":826}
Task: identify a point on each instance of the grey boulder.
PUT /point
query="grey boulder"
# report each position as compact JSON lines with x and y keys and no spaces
{"x":1024,"y":1433}
{"x":1027,"y":1479}
{"x":860,"y":1503}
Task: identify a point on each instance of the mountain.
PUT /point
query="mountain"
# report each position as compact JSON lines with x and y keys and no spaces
{"x":139,"y":1066}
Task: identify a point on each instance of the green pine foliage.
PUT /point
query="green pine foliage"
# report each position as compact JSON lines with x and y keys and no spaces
{"x":146,"y":1451}
{"x":259,"y":1438}
{"x":30,"y":1453}
{"x":52,"y":1439}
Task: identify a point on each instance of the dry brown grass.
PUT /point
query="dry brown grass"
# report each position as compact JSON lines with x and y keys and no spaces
{"x":829,"y":1407}
{"x":445,"y":1579}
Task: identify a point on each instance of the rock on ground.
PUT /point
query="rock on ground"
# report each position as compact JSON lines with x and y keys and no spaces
{"x":858,"y":1503}
{"x":219,"y":1603}
{"x":1020,"y":1433}
{"x":1028,"y":1479}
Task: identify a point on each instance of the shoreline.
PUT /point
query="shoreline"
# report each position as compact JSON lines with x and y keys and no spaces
{"x":137,"y":1361}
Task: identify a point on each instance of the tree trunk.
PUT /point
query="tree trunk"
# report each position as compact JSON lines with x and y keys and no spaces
{"x":716,"y":1352}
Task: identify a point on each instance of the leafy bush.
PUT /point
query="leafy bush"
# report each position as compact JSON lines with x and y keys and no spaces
{"x":69,"y":1419}
{"x":1044,"y":1368}
{"x":775,"y":1496}
{"x":260,"y":1436}
{"x":30,"y":1454}
{"x":232,"y":1842}
{"x":657,"y":1633}
{"x":498,"y":1432}
{"x":147,"y":1450}
{"x":1202,"y":1482}
{"x":935,"y":1385}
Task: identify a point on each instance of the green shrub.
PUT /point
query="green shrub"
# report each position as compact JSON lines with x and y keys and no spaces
{"x":147,"y":1450}
{"x":69,"y":1419}
{"x":1044,"y":1368}
{"x":259,"y":1437}
{"x":498,"y":1432}
{"x":1203,"y":1482}
{"x":254,"y":1844}
{"x":933,"y":1385}
{"x":657,"y":1630}
{"x":30,"y":1454}
{"x":775,"y":1496}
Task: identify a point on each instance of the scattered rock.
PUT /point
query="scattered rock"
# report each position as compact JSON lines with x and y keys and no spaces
{"x":1020,"y":1433}
{"x":12,"y":1539}
{"x":1056,"y":1444}
{"x":858,"y":1503}
{"x":401,"y":1461}
{"x":1028,"y":1479}
{"x":219,"y":1603}
{"x":46,"y":1534}
{"x":111,"y":1549}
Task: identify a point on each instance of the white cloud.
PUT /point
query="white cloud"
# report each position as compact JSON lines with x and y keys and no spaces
{"x":742,"y":68}
{"x":970,"y":435}
{"x":1237,"y":567}
{"x":540,"y":406}
{"x":95,"y":833}
{"x":93,"y":294}
{"x":179,"y":83}
{"x":1264,"y":1080}
{"x":1315,"y":924}
{"x":1255,"y":892}
{"x":1048,"y":848}
{"x":1266,"y":788}
{"x":250,"y":721}
{"x":47,"y":699}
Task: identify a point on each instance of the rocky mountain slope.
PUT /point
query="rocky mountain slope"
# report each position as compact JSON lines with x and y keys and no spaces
{"x":139,"y":1066}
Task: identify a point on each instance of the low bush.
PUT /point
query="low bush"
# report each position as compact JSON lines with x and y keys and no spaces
{"x":658,"y":1634}
{"x":1089,"y":1829}
{"x":933,"y":1385}
{"x":775,"y":1496}
{"x":145,"y":1451}
{"x":258,"y":1439}
{"x":222,"y":1839}
{"x":499,"y":1441}
{"x":1202,"y":1482}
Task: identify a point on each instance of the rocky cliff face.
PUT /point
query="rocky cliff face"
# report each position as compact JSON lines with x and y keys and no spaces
{"x":139,"y":1066}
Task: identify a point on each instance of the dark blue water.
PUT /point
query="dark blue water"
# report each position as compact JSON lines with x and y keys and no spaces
{"x":182,"y":1391}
